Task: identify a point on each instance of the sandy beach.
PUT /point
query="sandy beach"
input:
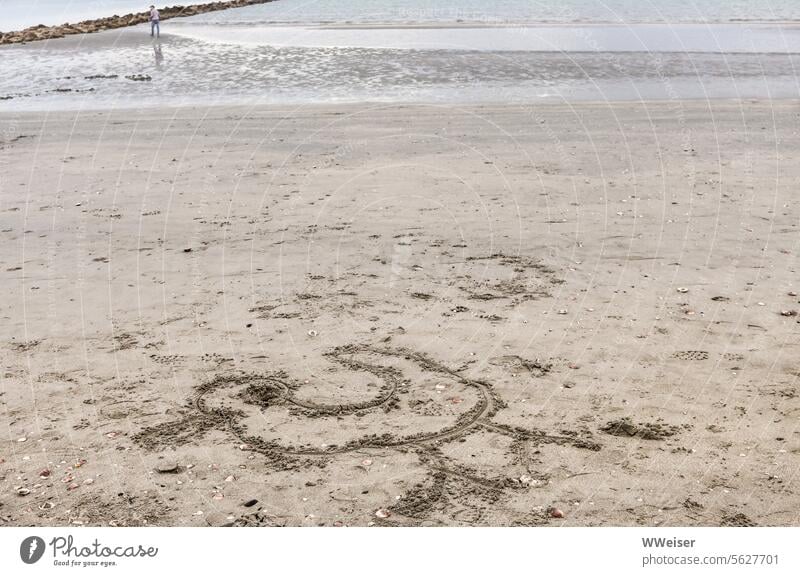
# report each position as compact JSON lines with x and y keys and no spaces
{"x":566,"y":314}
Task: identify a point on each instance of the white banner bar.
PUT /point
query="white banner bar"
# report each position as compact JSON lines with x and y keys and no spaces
{"x":355,"y":551}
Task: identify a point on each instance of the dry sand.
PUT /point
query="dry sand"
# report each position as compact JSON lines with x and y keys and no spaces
{"x":442,"y":315}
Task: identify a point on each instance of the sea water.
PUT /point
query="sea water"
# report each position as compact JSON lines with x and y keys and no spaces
{"x":17,"y":14}
{"x":298,"y":51}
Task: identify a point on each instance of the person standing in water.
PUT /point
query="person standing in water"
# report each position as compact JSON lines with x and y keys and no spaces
{"x":155,"y":29}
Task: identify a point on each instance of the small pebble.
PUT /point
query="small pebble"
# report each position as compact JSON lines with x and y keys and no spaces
{"x":167,"y":468}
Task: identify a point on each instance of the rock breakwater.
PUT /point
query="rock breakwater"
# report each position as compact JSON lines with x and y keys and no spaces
{"x":42,"y":32}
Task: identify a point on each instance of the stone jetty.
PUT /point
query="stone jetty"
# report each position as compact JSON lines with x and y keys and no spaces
{"x":42,"y":32}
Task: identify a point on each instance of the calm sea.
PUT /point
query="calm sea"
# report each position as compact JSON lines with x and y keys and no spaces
{"x":291,"y":51}
{"x":20,"y":13}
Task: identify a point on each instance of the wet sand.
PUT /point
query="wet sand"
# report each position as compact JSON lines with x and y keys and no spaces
{"x":573,"y":315}
{"x":251,"y":65}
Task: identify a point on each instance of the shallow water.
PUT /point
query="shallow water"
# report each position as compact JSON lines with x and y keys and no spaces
{"x":722,"y":38}
{"x":17,"y":14}
{"x":510,"y":11}
{"x":240,"y":59}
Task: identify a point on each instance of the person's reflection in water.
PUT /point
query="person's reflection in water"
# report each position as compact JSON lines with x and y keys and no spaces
{"x":158,"y":54}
